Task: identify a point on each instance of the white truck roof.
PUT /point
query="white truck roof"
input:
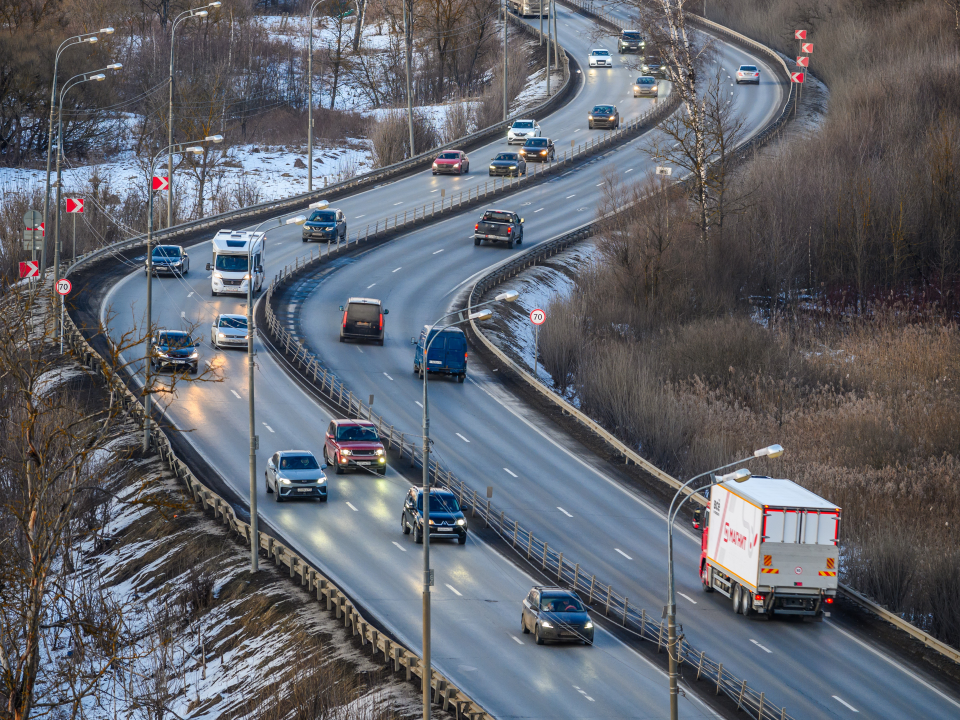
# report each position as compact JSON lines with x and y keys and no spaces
{"x":234,"y":241}
{"x":777,"y":493}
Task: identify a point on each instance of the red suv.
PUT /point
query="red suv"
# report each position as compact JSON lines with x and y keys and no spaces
{"x":354,"y":444}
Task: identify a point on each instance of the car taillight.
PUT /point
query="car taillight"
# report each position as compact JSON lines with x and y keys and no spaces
{"x":344,"y":318}
{"x":509,"y":230}
{"x":465,"y":356}
{"x":758,"y":598}
{"x":476,"y":227}
{"x":381,"y":321}
{"x":828,"y":601}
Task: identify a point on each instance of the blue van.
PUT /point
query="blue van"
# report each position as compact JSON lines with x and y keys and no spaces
{"x":448,"y":352}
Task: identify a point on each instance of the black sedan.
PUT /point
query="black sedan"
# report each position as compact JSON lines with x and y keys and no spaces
{"x":446,"y":517}
{"x":508,"y":164}
{"x":539,"y":149}
{"x":554,"y":613}
{"x":604,"y":116}
{"x":171,"y":259}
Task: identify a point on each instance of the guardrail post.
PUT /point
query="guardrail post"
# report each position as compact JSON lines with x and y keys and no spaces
{"x":606,"y":610}
{"x":560,"y":567}
{"x":545,"y":550}
{"x":529,"y":543}
{"x":760,"y":712}
{"x":700,"y":664}
{"x":719,"y":676}
{"x":743,"y":689}
{"x":593,"y":581}
{"x":626,"y":600}
{"x":576,"y":575}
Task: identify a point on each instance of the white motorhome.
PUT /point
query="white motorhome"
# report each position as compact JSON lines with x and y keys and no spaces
{"x":771,"y":546}
{"x":527,"y":8}
{"x":232,"y":250}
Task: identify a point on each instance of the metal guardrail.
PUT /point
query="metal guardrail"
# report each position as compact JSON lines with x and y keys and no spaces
{"x":367,"y":179}
{"x":445,"y":693}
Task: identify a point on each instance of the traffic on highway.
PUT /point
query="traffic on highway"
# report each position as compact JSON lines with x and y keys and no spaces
{"x":554,"y":482}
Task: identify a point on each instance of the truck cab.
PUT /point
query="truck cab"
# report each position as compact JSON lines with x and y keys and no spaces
{"x":771,"y":546}
{"x":233,"y":252}
{"x":447,"y":354}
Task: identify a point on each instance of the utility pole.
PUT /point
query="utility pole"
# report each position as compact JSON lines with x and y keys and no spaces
{"x":408,"y":38}
{"x":550,"y":9}
{"x":313,"y":7}
{"x":556,"y":40}
{"x":506,"y":102}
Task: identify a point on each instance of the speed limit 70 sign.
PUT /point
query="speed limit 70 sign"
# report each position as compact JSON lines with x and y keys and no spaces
{"x":538,"y":316}
{"x":64,"y":286}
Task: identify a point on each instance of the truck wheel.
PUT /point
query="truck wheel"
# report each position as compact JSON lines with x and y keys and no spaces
{"x":510,"y":243}
{"x":460,"y":378}
{"x":746,"y":602}
{"x":706,"y":578}
{"x":735,"y":598}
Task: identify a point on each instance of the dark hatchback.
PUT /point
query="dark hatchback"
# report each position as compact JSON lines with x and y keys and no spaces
{"x":446,"y":517}
{"x":553,"y":613}
{"x":508,"y":164}
{"x":604,"y":116}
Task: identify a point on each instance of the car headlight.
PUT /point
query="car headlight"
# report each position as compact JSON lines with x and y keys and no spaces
{"x":456,"y":164}
{"x":218,"y":276}
{"x":646,"y":68}
{"x":546,"y":624}
{"x":461,"y":521}
{"x":613,"y":117}
{"x":383,"y":460}
{"x":588,"y":625}
{"x":636,"y":87}
{"x":589,"y":117}
{"x":221,"y":336}
{"x":543,"y":152}
{"x":379,"y":451}
{"x":434,"y":166}
{"x":431,"y":522}
{"x":346,"y":452}
{"x":322,"y":480}
{"x":513,"y":167}
{"x":195,"y":356}
{"x":284,"y":481}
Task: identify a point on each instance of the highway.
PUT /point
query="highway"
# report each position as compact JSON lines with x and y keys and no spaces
{"x":544,"y":476}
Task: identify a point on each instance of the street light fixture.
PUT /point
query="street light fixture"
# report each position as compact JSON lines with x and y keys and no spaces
{"x":462,"y":317}
{"x":741,"y":475}
{"x":93,"y":76}
{"x":181,"y":149}
{"x":185,"y":15}
{"x":254,"y":525}
{"x":85,"y":38}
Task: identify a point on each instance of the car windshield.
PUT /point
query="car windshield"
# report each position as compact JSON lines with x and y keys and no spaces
{"x":175,"y":340}
{"x":603,"y":110}
{"x":171,"y":251}
{"x":748,"y":68}
{"x":653,"y":60}
{"x":232,"y":322}
{"x":511,"y":157}
{"x":323,"y":216}
{"x":449,"y":156}
{"x":357,"y":433}
{"x":440,"y":502}
{"x":536,"y":142}
{"x":645,"y":81}
{"x":600,"y":52}
{"x":631,"y":36}
{"x":561,"y":604}
{"x":232,"y":263}
{"x":299,"y":462}
{"x":494,"y":216}
{"x":523,"y":124}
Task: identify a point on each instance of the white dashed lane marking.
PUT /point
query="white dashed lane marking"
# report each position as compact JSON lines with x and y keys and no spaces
{"x":236,"y":393}
{"x":506,"y":470}
{"x":623,"y":553}
{"x":517,"y":640}
{"x":564,"y":511}
{"x":687,"y":597}
{"x":191,"y":294}
{"x":268,"y":427}
{"x":454,"y":590}
{"x":760,"y":646}
{"x":570,"y":196}
{"x":460,"y":436}
{"x":370,"y":285}
{"x":845,"y":703}
{"x":389,"y":378}
{"x":397,"y":269}
{"x":438,"y":251}
{"x":418,"y":403}
{"x":350,"y":505}
{"x":401,"y":547}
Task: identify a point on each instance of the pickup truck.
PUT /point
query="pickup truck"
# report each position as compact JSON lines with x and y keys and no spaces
{"x":499,"y":226}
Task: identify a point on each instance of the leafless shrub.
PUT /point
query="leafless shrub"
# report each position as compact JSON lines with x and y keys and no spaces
{"x":391,"y":136}
{"x":458,"y":121}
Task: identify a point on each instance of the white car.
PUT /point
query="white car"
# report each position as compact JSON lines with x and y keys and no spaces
{"x":600,"y":58}
{"x":748,"y":74}
{"x":229,"y":331}
{"x":521,"y":130}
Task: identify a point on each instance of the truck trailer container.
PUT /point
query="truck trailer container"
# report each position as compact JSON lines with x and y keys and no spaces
{"x":771,"y":546}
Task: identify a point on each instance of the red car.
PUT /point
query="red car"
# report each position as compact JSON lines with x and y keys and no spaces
{"x":452,"y":161}
{"x":354,"y":444}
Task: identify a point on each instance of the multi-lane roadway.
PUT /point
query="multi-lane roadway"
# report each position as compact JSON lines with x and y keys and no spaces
{"x":545,"y":477}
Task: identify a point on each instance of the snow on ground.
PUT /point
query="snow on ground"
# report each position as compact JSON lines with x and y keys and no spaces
{"x":535,"y":91}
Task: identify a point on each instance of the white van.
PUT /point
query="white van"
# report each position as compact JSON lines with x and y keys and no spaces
{"x":231,"y":250}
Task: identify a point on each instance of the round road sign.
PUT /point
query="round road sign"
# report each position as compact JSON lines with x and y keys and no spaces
{"x":64,"y":286}
{"x":538,"y":316}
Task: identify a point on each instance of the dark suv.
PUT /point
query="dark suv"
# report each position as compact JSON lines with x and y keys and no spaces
{"x":362,"y":320}
{"x":554,"y":613}
{"x":604,"y":116}
{"x":176,"y":349}
{"x":446,"y":517}
{"x":354,"y":444}
{"x":630,"y":41}
{"x":539,"y":149}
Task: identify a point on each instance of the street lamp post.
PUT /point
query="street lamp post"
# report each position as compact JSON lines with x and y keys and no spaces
{"x":462,"y":317}
{"x":772,"y":451}
{"x":310,"y":100}
{"x":92,"y":76}
{"x":254,"y":442}
{"x":181,"y":149}
{"x":185,"y":15}
{"x":69,"y":42}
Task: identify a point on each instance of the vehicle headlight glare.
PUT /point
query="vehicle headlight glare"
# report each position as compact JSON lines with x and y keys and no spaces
{"x":284,"y":481}
{"x":195,"y":356}
{"x":379,"y":451}
{"x":218,"y":276}
{"x":544,"y":623}
{"x":461,"y":522}
{"x":612,"y":117}
{"x":431,"y":522}
{"x":346,"y":452}
{"x":513,"y":167}
{"x":588,"y":625}
{"x":589,"y":117}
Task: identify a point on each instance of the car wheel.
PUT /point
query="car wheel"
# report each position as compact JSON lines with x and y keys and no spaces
{"x":403,"y":524}
{"x":461,"y":378}
{"x":416,"y":370}
{"x":735,"y":598}
{"x":590,"y":125}
{"x":510,"y":243}
{"x":467,"y":171}
{"x":523,"y":625}
{"x":476,"y":241}
{"x":491,"y":174}
{"x":434,"y":172}
{"x":267,"y":483}
{"x":323,"y":498}
{"x":536,"y":635}
{"x":194,"y":369}
{"x":339,"y":468}
{"x":520,"y":238}
{"x":462,"y":539}
{"x":276,"y":496}
{"x":304,"y":239}
{"x":380,"y":342}
{"x":417,"y":534}
{"x":588,"y":642}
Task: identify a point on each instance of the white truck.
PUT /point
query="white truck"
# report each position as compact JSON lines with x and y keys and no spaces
{"x":528,"y":8}
{"x":771,"y":546}
{"x":232,"y":251}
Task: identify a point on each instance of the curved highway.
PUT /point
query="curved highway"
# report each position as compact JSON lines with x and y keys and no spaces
{"x":488,"y":437}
